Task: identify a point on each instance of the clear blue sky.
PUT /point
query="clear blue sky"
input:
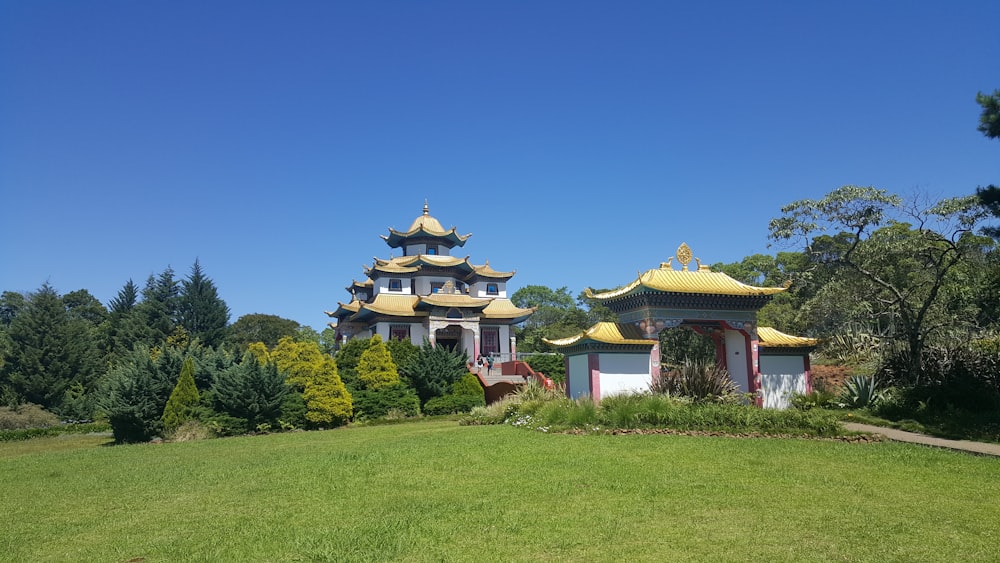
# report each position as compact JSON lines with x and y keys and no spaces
{"x":579,"y":142}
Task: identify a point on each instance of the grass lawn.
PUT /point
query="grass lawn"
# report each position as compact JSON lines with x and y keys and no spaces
{"x":436,"y":491}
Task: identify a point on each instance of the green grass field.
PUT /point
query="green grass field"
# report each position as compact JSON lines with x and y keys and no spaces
{"x":437,"y":491}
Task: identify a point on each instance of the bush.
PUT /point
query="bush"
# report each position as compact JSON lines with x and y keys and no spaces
{"x":435,"y":369}
{"x":552,"y":366}
{"x":398,"y":398}
{"x":376,"y":369}
{"x":24,"y":416}
{"x":451,"y":404}
{"x":251,"y":392}
{"x":58,"y":430}
{"x":698,"y":380}
{"x":183,"y":399}
{"x":191,"y":430}
{"x":862,"y":392}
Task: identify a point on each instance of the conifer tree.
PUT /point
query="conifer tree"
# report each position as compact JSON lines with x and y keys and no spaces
{"x":375,"y":367}
{"x":159,"y":305}
{"x":183,"y":399}
{"x":200,"y":309}
{"x":48,"y":351}
{"x":309,"y":371}
{"x":251,"y":392}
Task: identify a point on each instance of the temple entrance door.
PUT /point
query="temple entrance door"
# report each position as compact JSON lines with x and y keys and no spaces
{"x":449,"y":336}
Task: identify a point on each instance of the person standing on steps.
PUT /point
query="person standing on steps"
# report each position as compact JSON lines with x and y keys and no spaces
{"x":489,"y":364}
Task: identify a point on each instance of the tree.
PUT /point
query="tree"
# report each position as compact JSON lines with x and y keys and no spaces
{"x":989,"y":119}
{"x":556,"y":316}
{"x":125,"y":326}
{"x":258,"y":327}
{"x":183,"y":399}
{"x":133,"y":397}
{"x":989,"y":125}
{"x":200,"y":309}
{"x":375,"y":367}
{"x":312,"y":373}
{"x":159,"y":305}
{"x":435,"y":369}
{"x":900,"y":256}
{"x":251,"y":392}
{"x":48,"y":351}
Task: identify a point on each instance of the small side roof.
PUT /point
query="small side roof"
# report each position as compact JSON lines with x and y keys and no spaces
{"x":606,"y":333}
{"x":773,"y":338}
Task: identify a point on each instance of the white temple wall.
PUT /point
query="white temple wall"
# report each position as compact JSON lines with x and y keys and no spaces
{"x":478,"y":289}
{"x":781,"y":377}
{"x":578,"y":377}
{"x":418,"y":249}
{"x":736,"y":359}
{"x":624,"y":374}
{"x":382,"y":286}
{"x":418,"y":333}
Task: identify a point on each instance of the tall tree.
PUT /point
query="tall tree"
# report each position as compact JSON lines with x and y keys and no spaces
{"x":900,"y":255}
{"x":159,"y":305}
{"x":49,"y":351}
{"x":309,"y":371}
{"x":200,"y":309}
{"x":257,"y":327}
{"x":989,"y":119}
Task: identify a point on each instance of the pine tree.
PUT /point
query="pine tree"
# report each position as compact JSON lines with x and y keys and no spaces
{"x":159,"y":305}
{"x":200,"y":309}
{"x":48,"y":351}
{"x":183,"y":399}
{"x":251,"y":392}
{"x":376,"y":368}
{"x":435,"y":369}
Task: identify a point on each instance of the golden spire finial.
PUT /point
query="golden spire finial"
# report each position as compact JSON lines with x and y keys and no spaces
{"x":684,"y":255}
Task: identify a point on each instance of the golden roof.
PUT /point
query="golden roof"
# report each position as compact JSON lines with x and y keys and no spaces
{"x":502,"y":308}
{"x":344,"y":308}
{"x":487,"y":271}
{"x":454,"y":300}
{"x":606,"y":332}
{"x":390,"y":268}
{"x":397,"y":305}
{"x":425,"y":225}
{"x":772,"y":338}
{"x":701,"y":280}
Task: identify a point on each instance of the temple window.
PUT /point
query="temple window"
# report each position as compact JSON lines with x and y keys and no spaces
{"x":436,"y":286}
{"x":395,"y":284}
{"x":492,"y":289}
{"x":491,"y":340}
{"x":399,"y":332}
{"x":432,"y":249}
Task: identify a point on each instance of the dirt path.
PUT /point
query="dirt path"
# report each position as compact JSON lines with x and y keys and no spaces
{"x":912,"y":437}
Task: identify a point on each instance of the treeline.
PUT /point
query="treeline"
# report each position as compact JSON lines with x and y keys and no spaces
{"x":164,"y":360}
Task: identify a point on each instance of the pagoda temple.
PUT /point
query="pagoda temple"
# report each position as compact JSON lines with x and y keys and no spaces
{"x":620,"y":357}
{"x":427,"y":293}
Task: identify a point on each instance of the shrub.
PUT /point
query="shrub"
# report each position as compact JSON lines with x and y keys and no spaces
{"x":552,"y":366}
{"x":293,"y":411}
{"x":183,"y":399}
{"x":435,"y":369}
{"x":133,"y":397}
{"x":815,"y":399}
{"x":862,"y":392}
{"x":375,"y":367}
{"x":369,"y":403}
{"x":251,"y":392}
{"x":28,"y":415}
{"x":699,"y":380}
{"x":451,"y":404}
{"x":191,"y":430}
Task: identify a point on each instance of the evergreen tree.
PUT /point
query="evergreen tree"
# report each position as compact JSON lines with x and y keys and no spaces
{"x":347,"y":361}
{"x":251,"y":392}
{"x":159,"y":305}
{"x":126,"y":299}
{"x":125,"y":326}
{"x":309,"y":371}
{"x":375,"y":367}
{"x":200,"y":309}
{"x":435,"y":369}
{"x":183,"y":399}
{"x":133,"y":397}
{"x":48,"y":351}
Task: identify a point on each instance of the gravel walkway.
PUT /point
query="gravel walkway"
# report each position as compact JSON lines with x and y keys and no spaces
{"x":912,"y":437}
